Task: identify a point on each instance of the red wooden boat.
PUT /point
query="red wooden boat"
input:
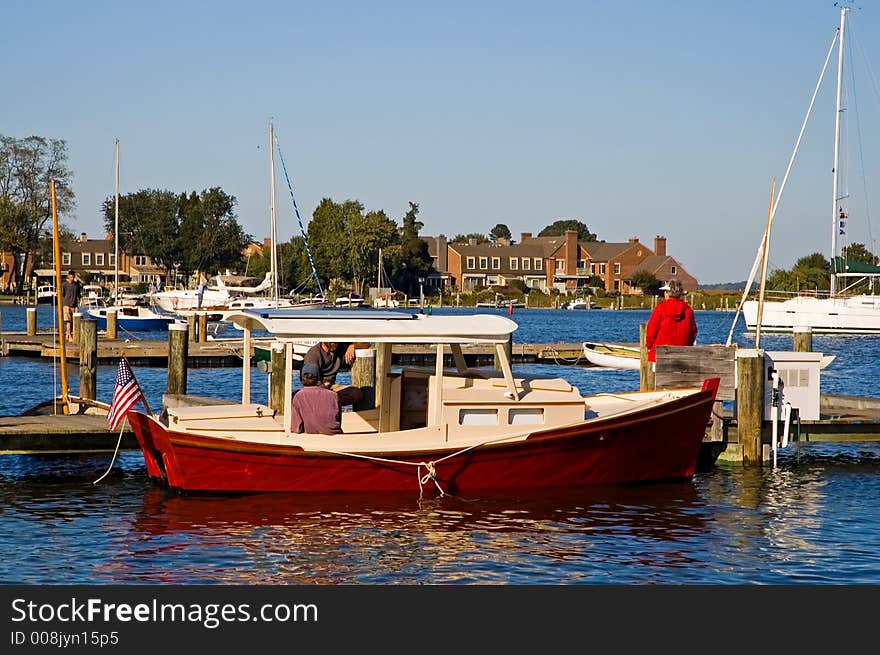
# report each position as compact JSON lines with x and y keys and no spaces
{"x":460,"y":430}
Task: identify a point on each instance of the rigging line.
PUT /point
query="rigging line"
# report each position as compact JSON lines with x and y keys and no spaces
{"x":860,"y":141}
{"x":298,"y":218}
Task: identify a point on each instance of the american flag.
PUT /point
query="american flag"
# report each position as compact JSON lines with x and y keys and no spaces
{"x":125,"y":394}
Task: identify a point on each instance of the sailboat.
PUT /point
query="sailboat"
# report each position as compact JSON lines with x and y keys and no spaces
{"x":384,"y":295}
{"x":841,"y":310}
{"x":131,"y":318}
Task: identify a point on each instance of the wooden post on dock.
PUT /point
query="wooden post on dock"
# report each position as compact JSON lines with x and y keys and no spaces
{"x":178,"y":353}
{"x":32,"y":322}
{"x":383,"y":385}
{"x":191,"y":324}
{"x":363,"y":376}
{"x":88,"y":359}
{"x":203,"y":327}
{"x":646,"y":370}
{"x":750,"y":404}
{"x":803,"y":338}
{"x":77,"y":319}
{"x":111,"y":324}
{"x":276,"y":377}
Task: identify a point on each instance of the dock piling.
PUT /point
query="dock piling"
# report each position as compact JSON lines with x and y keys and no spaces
{"x":88,"y":359}
{"x":191,"y":324}
{"x":363,"y":375}
{"x":203,"y":327}
{"x":646,"y":370}
{"x":750,"y":404}
{"x":111,"y":324}
{"x":178,"y":352}
{"x":77,"y":319}
{"x":803,"y":339}
{"x":276,"y":377}
{"x":32,"y":321}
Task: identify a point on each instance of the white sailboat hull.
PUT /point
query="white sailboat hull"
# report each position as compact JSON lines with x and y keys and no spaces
{"x":843,"y":315}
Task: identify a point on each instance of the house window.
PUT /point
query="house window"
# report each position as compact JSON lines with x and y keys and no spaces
{"x":484,"y":263}
{"x":496,"y":263}
{"x":140,"y":260}
{"x":560,"y":264}
{"x":514,"y":263}
{"x":539,"y":264}
{"x":592,"y":269}
{"x":87,"y":259}
{"x":111,"y":259}
{"x":527,"y":263}
{"x":582,"y":263}
{"x":99,"y":259}
{"x":674,"y":270}
{"x":65,"y":259}
{"x":471,"y":263}
{"x":617,"y":285}
{"x":601,"y":269}
{"x":617,"y":268}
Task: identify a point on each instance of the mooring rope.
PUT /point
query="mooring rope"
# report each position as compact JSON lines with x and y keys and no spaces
{"x":430,"y":466}
{"x":115,"y":454}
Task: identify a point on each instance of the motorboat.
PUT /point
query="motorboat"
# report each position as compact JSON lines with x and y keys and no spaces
{"x":434,"y":430}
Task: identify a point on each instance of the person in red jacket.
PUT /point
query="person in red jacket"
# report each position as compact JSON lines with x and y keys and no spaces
{"x":672,"y":322}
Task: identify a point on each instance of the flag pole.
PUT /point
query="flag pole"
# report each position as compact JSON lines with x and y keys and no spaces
{"x":62,"y":336}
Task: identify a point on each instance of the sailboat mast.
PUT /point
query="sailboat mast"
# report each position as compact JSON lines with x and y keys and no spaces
{"x":116,"y":235}
{"x":274,"y":257}
{"x":835,"y":174}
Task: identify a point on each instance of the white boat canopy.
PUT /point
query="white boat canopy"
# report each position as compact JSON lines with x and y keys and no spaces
{"x":377,"y":327}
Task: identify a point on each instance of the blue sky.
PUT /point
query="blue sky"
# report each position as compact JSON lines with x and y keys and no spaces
{"x":637,"y":118}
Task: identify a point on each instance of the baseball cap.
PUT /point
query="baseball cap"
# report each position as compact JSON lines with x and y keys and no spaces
{"x":311,"y":369}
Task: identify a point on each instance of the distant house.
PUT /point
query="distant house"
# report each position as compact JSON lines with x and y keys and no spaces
{"x":95,"y":259}
{"x":561,"y":262}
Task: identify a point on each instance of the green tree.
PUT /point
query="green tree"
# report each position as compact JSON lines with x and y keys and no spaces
{"x":409,"y":259}
{"x":148,"y":224}
{"x":558,"y":228}
{"x":857,"y":252}
{"x":27,"y":166}
{"x":328,"y":235}
{"x":465,"y":238}
{"x":500,"y":231}
{"x":645,"y":281}
{"x":367,"y":234}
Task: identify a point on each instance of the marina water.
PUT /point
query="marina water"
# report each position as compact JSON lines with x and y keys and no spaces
{"x":813,"y":520}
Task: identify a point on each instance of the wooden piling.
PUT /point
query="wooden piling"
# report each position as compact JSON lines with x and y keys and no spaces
{"x":111,"y":324}
{"x":646,"y":369}
{"x":383,"y":385}
{"x":803,"y":338}
{"x":276,"y":378}
{"x":88,"y":359}
{"x":750,"y":404}
{"x":363,"y":376}
{"x":77,"y":319}
{"x":178,"y":353}
{"x":32,"y":322}
{"x":203,"y":327}
{"x":191,"y":324}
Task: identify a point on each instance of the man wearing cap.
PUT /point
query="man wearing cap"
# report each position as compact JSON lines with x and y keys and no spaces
{"x":326,"y":356}
{"x":314,"y":409}
{"x":672,"y":322}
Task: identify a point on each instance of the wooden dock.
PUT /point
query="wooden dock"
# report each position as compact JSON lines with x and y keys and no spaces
{"x":229,"y":352}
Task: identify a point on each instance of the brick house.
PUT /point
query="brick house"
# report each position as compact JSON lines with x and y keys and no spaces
{"x":562,"y":262}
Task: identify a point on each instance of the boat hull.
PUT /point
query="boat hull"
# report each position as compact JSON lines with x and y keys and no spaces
{"x":609,"y":356}
{"x":659,"y":443}
{"x":845,"y":315}
{"x":131,"y":323}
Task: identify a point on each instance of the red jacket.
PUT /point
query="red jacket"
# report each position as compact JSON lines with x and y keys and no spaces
{"x":672,"y":323}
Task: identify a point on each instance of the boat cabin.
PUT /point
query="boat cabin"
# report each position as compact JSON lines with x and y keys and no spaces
{"x":457,"y":402}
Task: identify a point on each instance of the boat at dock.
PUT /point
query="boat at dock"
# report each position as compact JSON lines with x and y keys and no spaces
{"x":851,"y":304}
{"x":438,"y":430}
{"x":612,"y":355}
